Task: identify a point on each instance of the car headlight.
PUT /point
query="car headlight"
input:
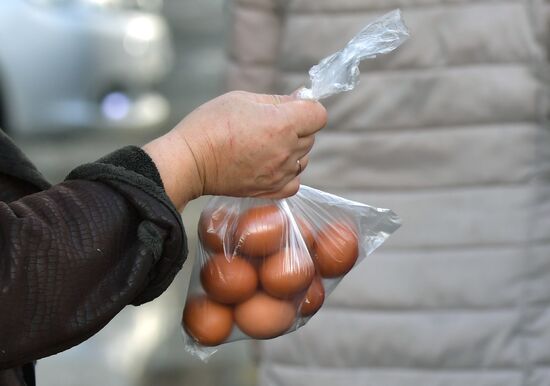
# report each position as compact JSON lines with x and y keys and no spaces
{"x":140,"y":32}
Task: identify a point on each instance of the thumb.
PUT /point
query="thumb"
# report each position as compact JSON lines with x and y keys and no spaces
{"x":273,"y":99}
{"x":306,"y":116}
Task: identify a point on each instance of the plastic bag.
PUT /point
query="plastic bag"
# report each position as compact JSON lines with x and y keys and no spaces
{"x":340,"y":71}
{"x":264,"y":267}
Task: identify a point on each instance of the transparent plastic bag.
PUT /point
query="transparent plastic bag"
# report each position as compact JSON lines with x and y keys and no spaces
{"x":264,"y":267}
{"x":340,"y":71}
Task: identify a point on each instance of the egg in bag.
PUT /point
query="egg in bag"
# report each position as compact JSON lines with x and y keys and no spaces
{"x":264,"y":267}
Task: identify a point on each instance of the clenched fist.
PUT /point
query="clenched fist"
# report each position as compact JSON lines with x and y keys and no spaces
{"x":239,"y":144}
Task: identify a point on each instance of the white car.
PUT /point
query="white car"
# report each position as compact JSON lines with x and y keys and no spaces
{"x":70,"y":64}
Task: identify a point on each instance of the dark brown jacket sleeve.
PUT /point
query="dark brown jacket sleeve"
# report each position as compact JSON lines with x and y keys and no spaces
{"x":72,"y":256}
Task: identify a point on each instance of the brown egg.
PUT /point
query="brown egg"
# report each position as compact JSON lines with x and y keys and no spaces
{"x":230,"y":279}
{"x":264,"y":317}
{"x":336,"y":250}
{"x":286,"y":273}
{"x":207,"y":321}
{"x":307,"y":233}
{"x":212,"y":227}
{"x":260,"y":231}
{"x":315,"y":296}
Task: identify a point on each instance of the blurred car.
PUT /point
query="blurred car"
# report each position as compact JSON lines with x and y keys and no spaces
{"x":69,"y":64}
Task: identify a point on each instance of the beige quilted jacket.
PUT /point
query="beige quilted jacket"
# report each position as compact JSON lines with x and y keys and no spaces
{"x":450,"y":132}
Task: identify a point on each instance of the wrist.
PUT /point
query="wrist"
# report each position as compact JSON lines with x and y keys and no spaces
{"x":177,"y":168}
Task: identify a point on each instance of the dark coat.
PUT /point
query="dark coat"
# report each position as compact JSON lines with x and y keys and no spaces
{"x":74,"y":254}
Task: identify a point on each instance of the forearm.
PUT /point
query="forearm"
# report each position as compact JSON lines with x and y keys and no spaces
{"x":74,"y":255}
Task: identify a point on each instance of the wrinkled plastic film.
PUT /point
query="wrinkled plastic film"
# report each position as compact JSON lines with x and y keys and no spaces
{"x":259,"y":272}
{"x":340,"y":71}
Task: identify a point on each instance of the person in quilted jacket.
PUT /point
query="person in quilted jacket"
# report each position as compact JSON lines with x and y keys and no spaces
{"x":451,"y":131}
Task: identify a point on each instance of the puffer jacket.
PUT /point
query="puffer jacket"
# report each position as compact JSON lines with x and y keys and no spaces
{"x":451,"y":132}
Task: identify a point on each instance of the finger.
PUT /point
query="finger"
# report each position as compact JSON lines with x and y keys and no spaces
{"x":290,"y":189}
{"x":302,"y":164}
{"x":294,"y":169}
{"x":289,"y":179}
{"x":273,"y":99}
{"x":307,"y":117}
{"x":299,"y":167}
{"x":305,"y":144}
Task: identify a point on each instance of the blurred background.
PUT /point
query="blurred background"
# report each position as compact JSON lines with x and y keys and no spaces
{"x":456,"y":141}
{"x":83,"y":78}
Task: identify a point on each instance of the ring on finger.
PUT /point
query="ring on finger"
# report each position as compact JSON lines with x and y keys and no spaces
{"x":299,"y":167}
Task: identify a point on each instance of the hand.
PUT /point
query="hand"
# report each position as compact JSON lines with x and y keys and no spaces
{"x":239,"y":144}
